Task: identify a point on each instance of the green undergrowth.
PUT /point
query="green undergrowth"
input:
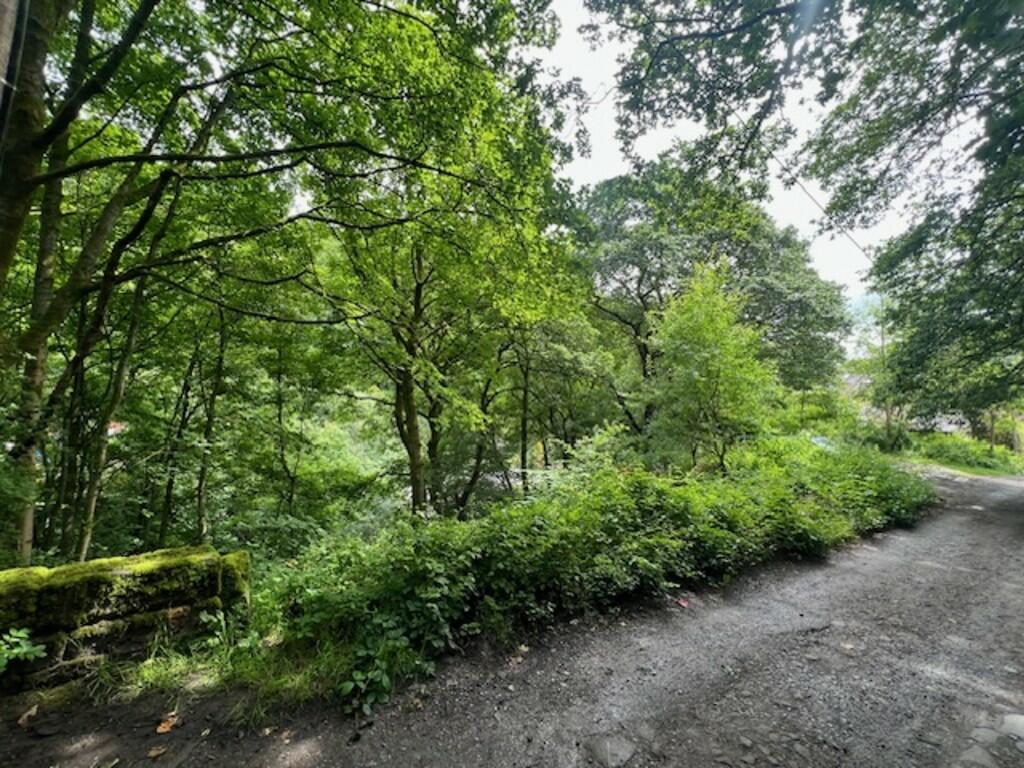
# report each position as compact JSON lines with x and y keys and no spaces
{"x":965,"y":454}
{"x":351,"y":616}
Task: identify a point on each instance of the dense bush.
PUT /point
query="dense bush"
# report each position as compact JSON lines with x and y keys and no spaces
{"x":961,"y":451}
{"x":874,"y":434}
{"x":381,"y":608}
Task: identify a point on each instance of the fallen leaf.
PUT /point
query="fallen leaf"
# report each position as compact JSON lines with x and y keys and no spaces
{"x":169,"y":721}
{"x":205,"y":733}
{"x":155,"y":752}
{"x":28,"y":715}
{"x":682,"y":602}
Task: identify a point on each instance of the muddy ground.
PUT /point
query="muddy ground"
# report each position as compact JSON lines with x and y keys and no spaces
{"x":906,"y":649}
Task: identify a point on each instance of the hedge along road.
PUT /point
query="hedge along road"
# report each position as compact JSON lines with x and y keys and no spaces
{"x":906,"y":649}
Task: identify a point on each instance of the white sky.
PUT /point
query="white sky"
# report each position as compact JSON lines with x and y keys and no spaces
{"x":835,"y":257}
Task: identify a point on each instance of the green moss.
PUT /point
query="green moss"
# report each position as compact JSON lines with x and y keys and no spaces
{"x":65,"y":598}
{"x":235,"y":577}
{"x":101,"y":629}
{"x":141,"y":623}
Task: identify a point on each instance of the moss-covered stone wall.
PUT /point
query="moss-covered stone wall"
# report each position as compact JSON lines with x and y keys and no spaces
{"x":114,"y":605}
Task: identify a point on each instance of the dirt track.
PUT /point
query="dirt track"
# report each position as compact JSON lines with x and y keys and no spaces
{"x":904,"y":650}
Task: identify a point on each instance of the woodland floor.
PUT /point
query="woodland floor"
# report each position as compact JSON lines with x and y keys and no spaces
{"x":906,"y":649}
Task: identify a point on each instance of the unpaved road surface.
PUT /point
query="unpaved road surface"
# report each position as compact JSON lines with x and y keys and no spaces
{"x":904,"y":650}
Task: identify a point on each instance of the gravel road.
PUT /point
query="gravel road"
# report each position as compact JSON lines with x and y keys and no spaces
{"x":906,"y":649}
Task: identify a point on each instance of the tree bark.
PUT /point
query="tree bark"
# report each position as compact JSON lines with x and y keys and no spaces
{"x":524,"y":421}
{"x":26,"y":120}
{"x":30,"y":137}
{"x":167,"y":511}
{"x":282,"y":445}
{"x":99,"y":461}
{"x":70,"y":492}
{"x":435,"y":485}
{"x":34,"y":372}
{"x":202,"y":521}
{"x":409,"y":429}
{"x":27,"y":106}
{"x":462,"y":499}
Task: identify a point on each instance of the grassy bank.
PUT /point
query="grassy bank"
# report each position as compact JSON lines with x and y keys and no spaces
{"x":352,"y":616}
{"x":966,"y":455}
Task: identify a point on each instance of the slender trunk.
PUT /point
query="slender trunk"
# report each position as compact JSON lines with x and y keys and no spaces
{"x":71,"y":487}
{"x":647,"y":371}
{"x":992,"y":431}
{"x":167,"y":511}
{"x":145,"y":515}
{"x":407,"y":418}
{"x":462,"y":502}
{"x":202,"y":522}
{"x":434,"y":469}
{"x":34,"y":372}
{"x":99,"y":462}
{"x":506,"y":475}
{"x":34,"y":343}
{"x":524,"y":417}
{"x":50,"y":477}
{"x":463,"y":497}
{"x":57,"y":513}
{"x":282,"y":446}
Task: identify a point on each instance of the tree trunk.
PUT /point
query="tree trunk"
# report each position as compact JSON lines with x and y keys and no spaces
{"x":34,"y":372}
{"x":202,"y":522}
{"x":30,"y":136}
{"x":167,"y":511}
{"x":462,"y":501}
{"x":506,"y":474}
{"x":26,"y":120}
{"x":71,"y":487}
{"x":407,"y":418}
{"x":282,"y":446}
{"x":57,"y":512}
{"x":434,"y":469}
{"x":99,"y":463}
{"x":524,"y":418}
{"x":463,"y":497}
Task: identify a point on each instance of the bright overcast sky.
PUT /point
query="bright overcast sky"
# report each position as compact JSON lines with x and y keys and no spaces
{"x":836,"y":258}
